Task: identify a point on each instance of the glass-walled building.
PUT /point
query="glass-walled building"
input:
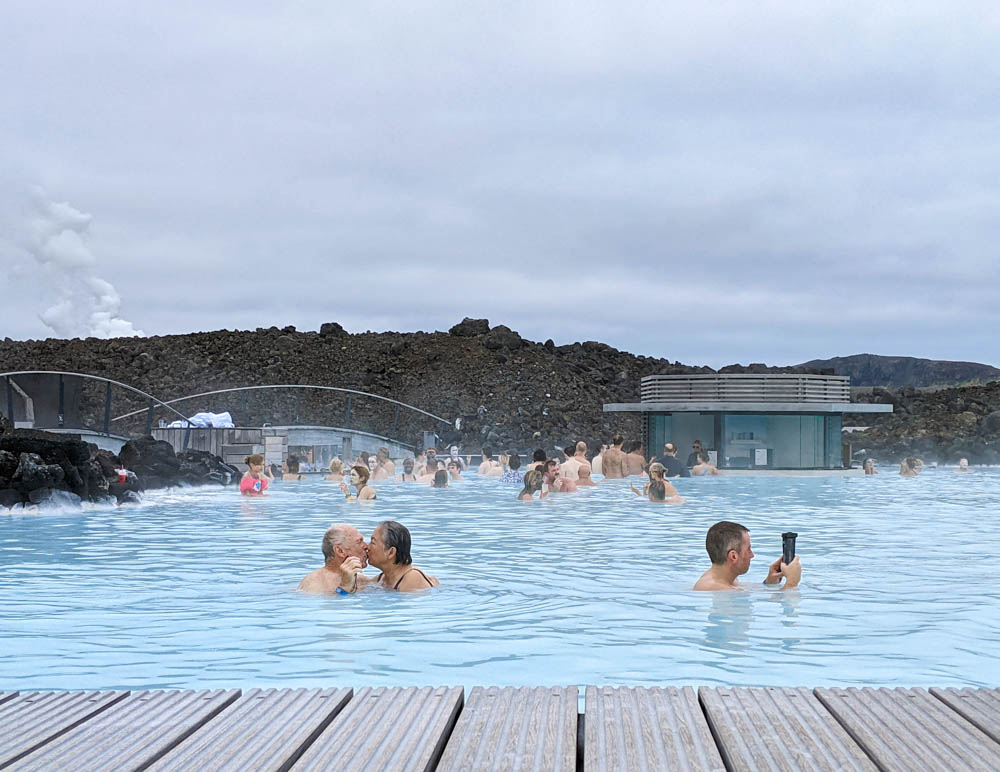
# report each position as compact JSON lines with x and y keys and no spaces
{"x":768,"y":421}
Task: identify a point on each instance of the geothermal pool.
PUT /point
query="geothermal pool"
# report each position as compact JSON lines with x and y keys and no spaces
{"x":196,"y":588}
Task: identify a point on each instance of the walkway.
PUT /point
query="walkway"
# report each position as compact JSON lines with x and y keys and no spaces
{"x":429,"y":728}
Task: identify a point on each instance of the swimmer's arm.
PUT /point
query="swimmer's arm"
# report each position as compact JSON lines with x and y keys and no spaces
{"x":634,"y":490}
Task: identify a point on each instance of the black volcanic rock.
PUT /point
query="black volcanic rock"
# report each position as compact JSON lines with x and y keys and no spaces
{"x":332,"y":329}
{"x":897,"y":372}
{"x":470,"y":328}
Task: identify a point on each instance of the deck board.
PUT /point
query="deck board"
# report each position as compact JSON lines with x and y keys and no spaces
{"x":265,"y":729}
{"x":387,"y":729}
{"x":513,"y":729}
{"x":779,"y":729}
{"x":647,"y":729}
{"x":30,"y":720}
{"x":907,"y":729}
{"x":132,"y":733}
{"x":980,"y":707}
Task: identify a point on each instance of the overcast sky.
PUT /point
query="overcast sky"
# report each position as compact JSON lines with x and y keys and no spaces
{"x":710,"y":182}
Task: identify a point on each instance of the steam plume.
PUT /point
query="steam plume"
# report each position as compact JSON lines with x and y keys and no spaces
{"x":88,"y":306}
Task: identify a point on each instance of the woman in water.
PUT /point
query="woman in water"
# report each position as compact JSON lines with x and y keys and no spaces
{"x":389,"y":550}
{"x":656,"y":472}
{"x":359,"y":479}
{"x":533,"y":480}
{"x":336,"y":470}
{"x":870,"y":466}
{"x":440,"y":479}
{"x":291,"y":470}
{"x":910,"y":467}
{"x":255,"y":481}
{"x":704,"y":466}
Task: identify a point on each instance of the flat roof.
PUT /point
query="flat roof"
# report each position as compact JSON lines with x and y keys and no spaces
{"x":745,"y":407}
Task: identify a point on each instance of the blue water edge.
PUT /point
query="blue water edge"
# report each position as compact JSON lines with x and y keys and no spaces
{"x":196,"y":588}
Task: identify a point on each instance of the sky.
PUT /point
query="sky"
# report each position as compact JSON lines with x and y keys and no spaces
{"x":712,"y":182}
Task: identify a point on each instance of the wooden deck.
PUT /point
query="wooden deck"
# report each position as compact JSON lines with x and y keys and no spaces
{"x":429,"y":728}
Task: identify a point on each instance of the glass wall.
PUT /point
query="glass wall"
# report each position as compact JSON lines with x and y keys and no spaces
{"x":753,"y":441}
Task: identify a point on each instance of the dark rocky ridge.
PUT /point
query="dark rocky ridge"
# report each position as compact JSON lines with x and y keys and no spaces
{"x":508,"y":391}
{"x":897,"y":372}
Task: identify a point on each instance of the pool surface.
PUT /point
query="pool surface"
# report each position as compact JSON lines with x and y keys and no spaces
{"x":196,"y":588}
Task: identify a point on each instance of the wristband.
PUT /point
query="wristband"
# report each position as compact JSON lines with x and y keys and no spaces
{"x":341,"y":591}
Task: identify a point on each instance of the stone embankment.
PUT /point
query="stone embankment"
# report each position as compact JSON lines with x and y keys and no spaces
{"x":943,"y":425}
{"x":506,"y":391}
{"x":41,"y":467}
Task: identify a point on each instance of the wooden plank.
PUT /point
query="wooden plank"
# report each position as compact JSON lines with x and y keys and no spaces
{"x":32,"y":719}
{"x":778,"y":729}
{"x":132,"y":733}
{"x":909,"y":729}
{"x":980,"y":707}
{"x":647,"y":729}
{"x":387,"y":729}
{"x":265,"y":729}
{"x":509,"y":729}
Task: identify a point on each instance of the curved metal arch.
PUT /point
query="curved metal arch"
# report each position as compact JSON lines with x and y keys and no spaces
{"x":288,"y":386}
{"x":103,"y":380}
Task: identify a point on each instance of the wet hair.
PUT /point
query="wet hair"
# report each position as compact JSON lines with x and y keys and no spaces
{"x":335,"y":536}
{"x":362,"y":471}
{"x":538,"y":455}
{"x":383,"y":453}
{"x":618,"y":440}
{"x":396,"y":535}
{"x":552,"y":463}
{"x":514,"y":461}
{"x":336,"y":466}
{"x":254,"y":459}
{"x":532,"y":482}
{"x":703,"y":457}
{"x":633,"y":446}
{"x":440,"y":479}
{"x":657,"y":470}
{"x":455,"y":464}
{"x":363,"y":457}
{"x":722,"y":537}
{"x":657,"y":491}
{"x":487,"y":452}
{"x":293,"y":464}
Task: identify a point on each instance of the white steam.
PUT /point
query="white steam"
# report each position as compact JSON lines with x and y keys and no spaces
{"x":88,"y":306}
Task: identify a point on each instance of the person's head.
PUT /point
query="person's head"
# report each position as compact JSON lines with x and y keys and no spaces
{"x":533,"y":480}
{"x":255,"y":462}
{"x":487,"y":453}
{"x":703,"y":457}
{"x":454,"y":470}
{"x":963,"y":463}
{"x":696,"y":446}
{"x":360,"y":475}
{"x":383,"y":454}
{"x":581,"y":448}
{"x":869,"y":464}
{"x":336,"y":466}
{"x":453,"y":451}
{"x":293,"y":464}
{"x":514,"y":461}
{"x":728,"y":543}
{"x":551,"y":470}
{"x":657,"y":491}
{"x":408,"y":465}
{"x":431,"y":453}
{"x":670,"y":449}
{"x":656,"y":471}
{"x":440,"y":479}
{"x":343,"y":541}
{"x":913,"y":463}
{"x":569,"y":450}
{"x":390,"y":545}
{"x":372,"y":463}
{"x":538,"y":455}
{"x":363,"y":457}
{"x":584,"y":473}
{"x":618,"y":441}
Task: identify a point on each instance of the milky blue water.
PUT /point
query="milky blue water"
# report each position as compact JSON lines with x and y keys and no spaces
{"x":196,"y":588}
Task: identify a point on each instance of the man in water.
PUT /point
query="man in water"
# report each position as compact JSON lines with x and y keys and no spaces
{"x":635,"y":461}
{"x":614,"y":465}
{"x":728,"y":546}
{"x":963,"y":465}
{"x":557,"y":483}
{"x":345,"y":555}
{"x":384,"y":468}
{"x":454,"y":457}
{"x":576,"y":457}
{"x":490,"y":466}
{"x":672,"y":464}
{"x":693,"y":455}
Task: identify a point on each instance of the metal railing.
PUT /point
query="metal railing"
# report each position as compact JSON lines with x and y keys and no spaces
{"x":746,"y":387}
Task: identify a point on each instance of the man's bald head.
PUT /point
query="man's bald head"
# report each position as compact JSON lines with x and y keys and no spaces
{"x":340,"y":535}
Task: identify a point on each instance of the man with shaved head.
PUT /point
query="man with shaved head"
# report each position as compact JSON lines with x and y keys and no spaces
{"x":345,"y":555}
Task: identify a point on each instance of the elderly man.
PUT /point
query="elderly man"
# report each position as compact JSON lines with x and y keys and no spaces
{"x":672,"y":464}
{"x":345,"y":555}
{"x":576,"y":457}
{"x":728,"y":546}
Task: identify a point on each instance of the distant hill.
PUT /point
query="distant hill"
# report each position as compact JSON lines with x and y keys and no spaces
{"x":896,"y":372}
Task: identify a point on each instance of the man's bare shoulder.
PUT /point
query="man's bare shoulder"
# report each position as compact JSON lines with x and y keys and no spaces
{"x":319,"y":581}
{"x":711,"y":583}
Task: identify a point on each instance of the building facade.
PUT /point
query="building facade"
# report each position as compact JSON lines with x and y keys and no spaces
{"x":749,"y":421}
